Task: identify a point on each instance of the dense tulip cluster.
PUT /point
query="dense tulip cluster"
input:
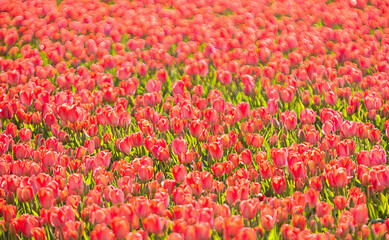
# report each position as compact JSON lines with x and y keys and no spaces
{"x":180,"y":119}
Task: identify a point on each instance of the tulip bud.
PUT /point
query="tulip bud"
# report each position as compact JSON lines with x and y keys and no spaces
{"x":313,"y":225}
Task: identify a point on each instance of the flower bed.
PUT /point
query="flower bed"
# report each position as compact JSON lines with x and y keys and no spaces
{"x":250,"y":119}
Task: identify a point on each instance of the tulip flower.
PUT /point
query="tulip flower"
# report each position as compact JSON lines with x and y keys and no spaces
{"x":216,"y":150}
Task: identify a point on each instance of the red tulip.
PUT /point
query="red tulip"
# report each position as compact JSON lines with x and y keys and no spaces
{"x":256,"y":141}
{"x":9,"y":212}
{"x":49,"y":159}
{"x":188,"y":157}
{"x":25,"y":194}
{"x":272,"y":106}
{"x":174,"y":236}
{"x":323,"y":208}
{"x":124,"y":145}
{"x":247,"y":209}
{"x":218,"y":104}
{"x":146,"y":173}
{"x":58,"y":216}
{"x":328,"y":127}
{"x":244,"y":109}
{"x":90,"y":145}
{"x":25,"y":134}
{"x":49,"y":119}
{"x":75,"y":183}
{"x":327,"y":221}
{"x":279,"y":184}
{"x":120,"y":227}
{"x":246,"y":234}
{"x":298,"y":170}
{"x":179,"y":146}
{"x":129,"y":86}
{"x":232,"y":225}
{"x":218,"y":169}
{"x":101,"y":231}
{"x":340,"y":202}
{"x":265,"y":169}
{"x":46,"y":197}
{"x":27,"y":223}
{"x":378,"y":230}
{"x":338,"y":177}
{"x":377,"y":156}
{"x":330,"y":98}
{"x":267,"y":222}
{"x":225,"y":77}
{"x":38,"y":233}
{"x":360,"y":214}
{"x":342,"y":149}
{"x":73,"y":229}
{"x":287,"y":94}
{"x":21,"y":151}
{"x":13,"y":78}
{"x":154,"y":224}
{"x":216,"y":150}
{"x":279,"y":157}
{"x":177,"y":125}
{"x":374,"y":135}
{"x":141,"y":69}
{"x":179,"y":173}
{"x":312,"y":136}
{"x":312,"y":197}
{"x":195,"y":128}
{"x":178,"y":87}
{"x":162,"y":75}
{"x":153,"y":85}
{"x":206,"y":181}
{"x":163,"y":154}
{"x":245,"y":157}
{"x":211,"y":116}
{"x":299,"y":221}
{"x":163,"y":125}
{"x":136,"y":139}
{"x":289,"y":118}
{"x":203,"y":68}
{"x":308,"y":116}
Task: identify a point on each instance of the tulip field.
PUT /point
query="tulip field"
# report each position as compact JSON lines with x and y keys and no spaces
{"x":183,"y":119}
